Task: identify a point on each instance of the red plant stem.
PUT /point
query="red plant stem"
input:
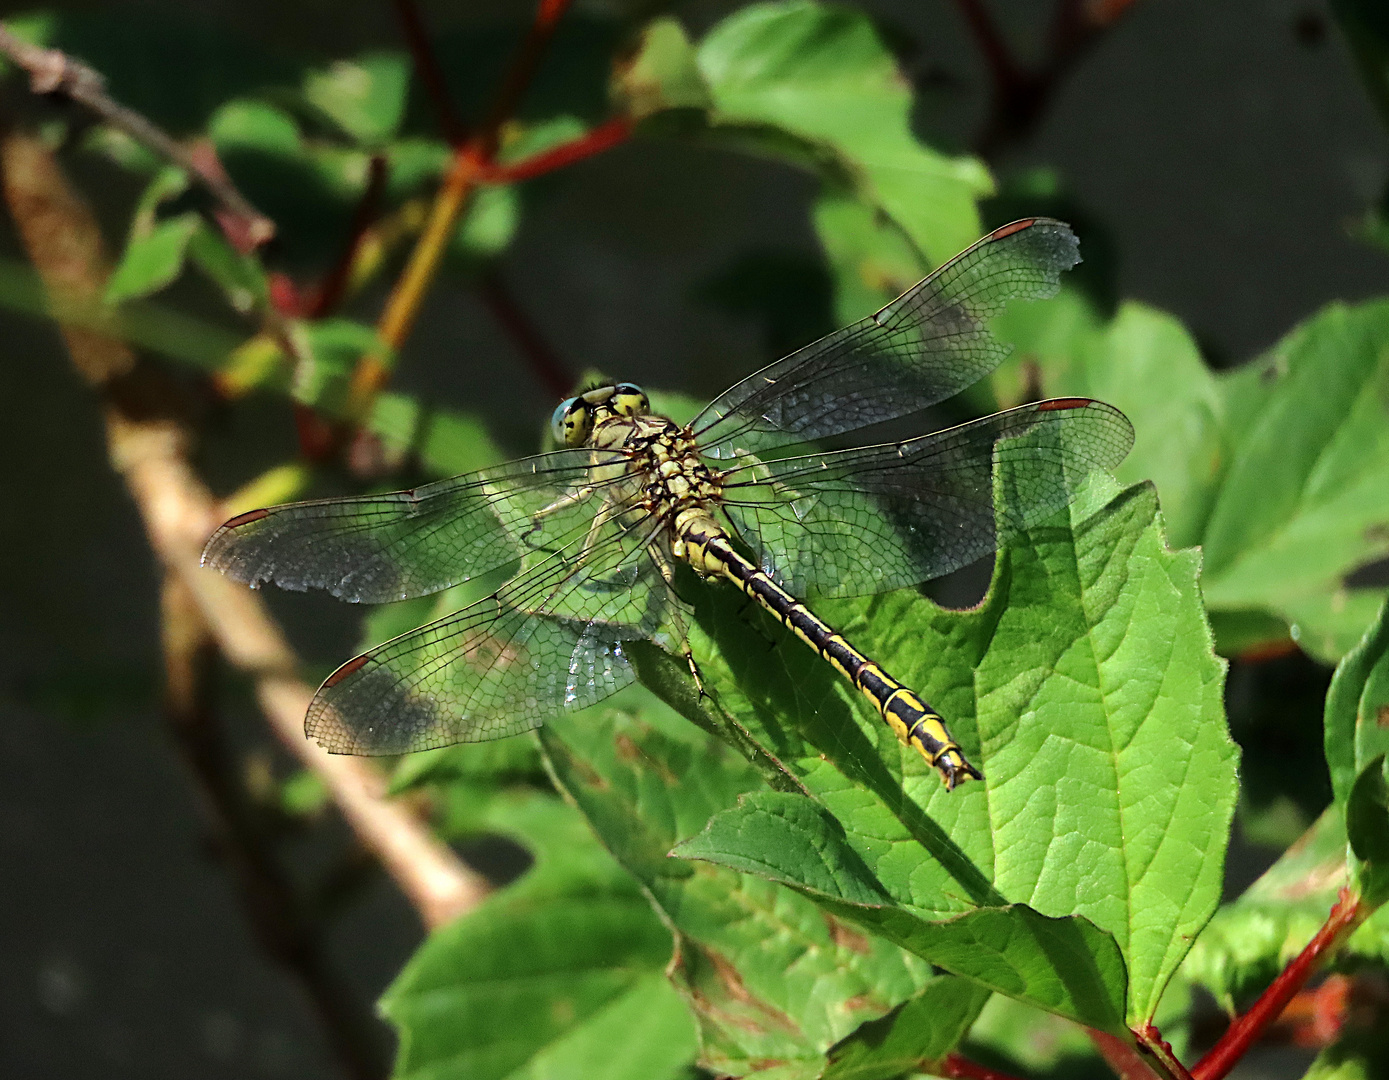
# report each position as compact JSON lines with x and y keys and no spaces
{"x":1345,"y":916}
{"x":1150,"y":1040}
{"x":961,"y":1068}
{"x":543,"y":360}
{"x":331,"y":290}
{"x":605,"y":136}
{"x":430,"y":73}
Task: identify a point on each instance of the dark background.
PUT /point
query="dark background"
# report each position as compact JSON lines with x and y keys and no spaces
{"x":1221,"y":148}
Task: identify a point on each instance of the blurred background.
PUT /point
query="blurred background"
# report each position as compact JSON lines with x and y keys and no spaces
{"x":1216,"y":160}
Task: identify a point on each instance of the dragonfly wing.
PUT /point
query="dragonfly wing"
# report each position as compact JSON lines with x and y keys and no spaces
{"x":378,"y":548}
{"x":548,"y":641}
{"x":884,"y":517}
{"x":927,"y":345}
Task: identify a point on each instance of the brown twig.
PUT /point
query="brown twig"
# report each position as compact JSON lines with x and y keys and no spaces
{"x":430,"y":73}
{"x":148,"y":446}
{"x":1346,"y":915}
{"x":273,"y":907}
{"x":54,"y":72}
{"x":544,"y":361}
{"x":469,"y":162}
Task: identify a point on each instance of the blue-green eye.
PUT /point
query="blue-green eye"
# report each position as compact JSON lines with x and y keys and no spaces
{"x":570,"y":422}
{"x":629,"y":400}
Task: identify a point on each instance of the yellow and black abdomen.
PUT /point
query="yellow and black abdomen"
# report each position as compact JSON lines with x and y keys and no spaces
{"x":918,"y":725}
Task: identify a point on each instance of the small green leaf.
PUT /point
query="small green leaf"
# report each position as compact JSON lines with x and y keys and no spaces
{"x":489,"y":225}
{"x":330,"y":349}
{"x":364,"y":96}
{"x":254,"y":125}
{"x":240,"y":277}
{"x":1253,"y":938}
{"x":152,"y":261}
{"x":915,"y":1034}
{"x":661,"y":73}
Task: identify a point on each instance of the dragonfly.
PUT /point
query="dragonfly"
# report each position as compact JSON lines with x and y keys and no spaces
{"x":603,"y":530}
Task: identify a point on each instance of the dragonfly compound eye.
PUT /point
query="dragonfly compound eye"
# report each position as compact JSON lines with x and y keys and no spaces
{"x":629,"y":400}
{"x":571,"y":422}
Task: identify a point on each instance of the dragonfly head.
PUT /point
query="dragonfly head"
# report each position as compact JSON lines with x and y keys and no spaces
{"x":576,"y":417}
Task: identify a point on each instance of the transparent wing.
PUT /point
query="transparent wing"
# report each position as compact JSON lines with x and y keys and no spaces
{"x":549,"y":640}
{"x":884,"y":517}
{"x":378,"y":548}
{"x":930,"y":343}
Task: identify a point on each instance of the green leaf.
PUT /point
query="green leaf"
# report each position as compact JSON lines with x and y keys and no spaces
{"x":364,"y":96}
{"x":240,"y":277}
{"x":1067,"y":965}
{"x":446,"y":442}
{"x":489,"y":225}
{"x":1367,"y":829}
{"x":1144,"y":362}
{"x":152,"y":261}
{"x":822,"y":75}
{"x":661,"y":72}
{"x":329,"y":351}
{"x":558,"y":971}
{"x":770,"y":976}
{"x":920,"y":1031}
{"x":870,"y":257}
{"x":1305,"y":497}
{"x":1253,"y":938}
{"x":1086,"y":687}
{"x":789,"y":839}
{"x":1357,"y":709}
{"x":1030,"y":1041}
{"x":254,"y":125}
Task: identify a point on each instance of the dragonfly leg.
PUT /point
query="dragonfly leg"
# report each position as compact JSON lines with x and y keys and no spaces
{"x":562,"y":503}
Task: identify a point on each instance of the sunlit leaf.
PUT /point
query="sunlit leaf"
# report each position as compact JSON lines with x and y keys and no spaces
{"x":364,"y":96}
{"x":152,"y":261}
{"x":822,"y":74}
{"x":661,"y":73}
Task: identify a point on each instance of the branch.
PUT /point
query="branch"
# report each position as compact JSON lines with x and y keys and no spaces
{"x":275,"y":911}
{"x":604,"y":137}
{"x":148,"y":446}
{"x":469,"y":163}
{"x":54,"y":72}
{"x":1346,"y":915}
